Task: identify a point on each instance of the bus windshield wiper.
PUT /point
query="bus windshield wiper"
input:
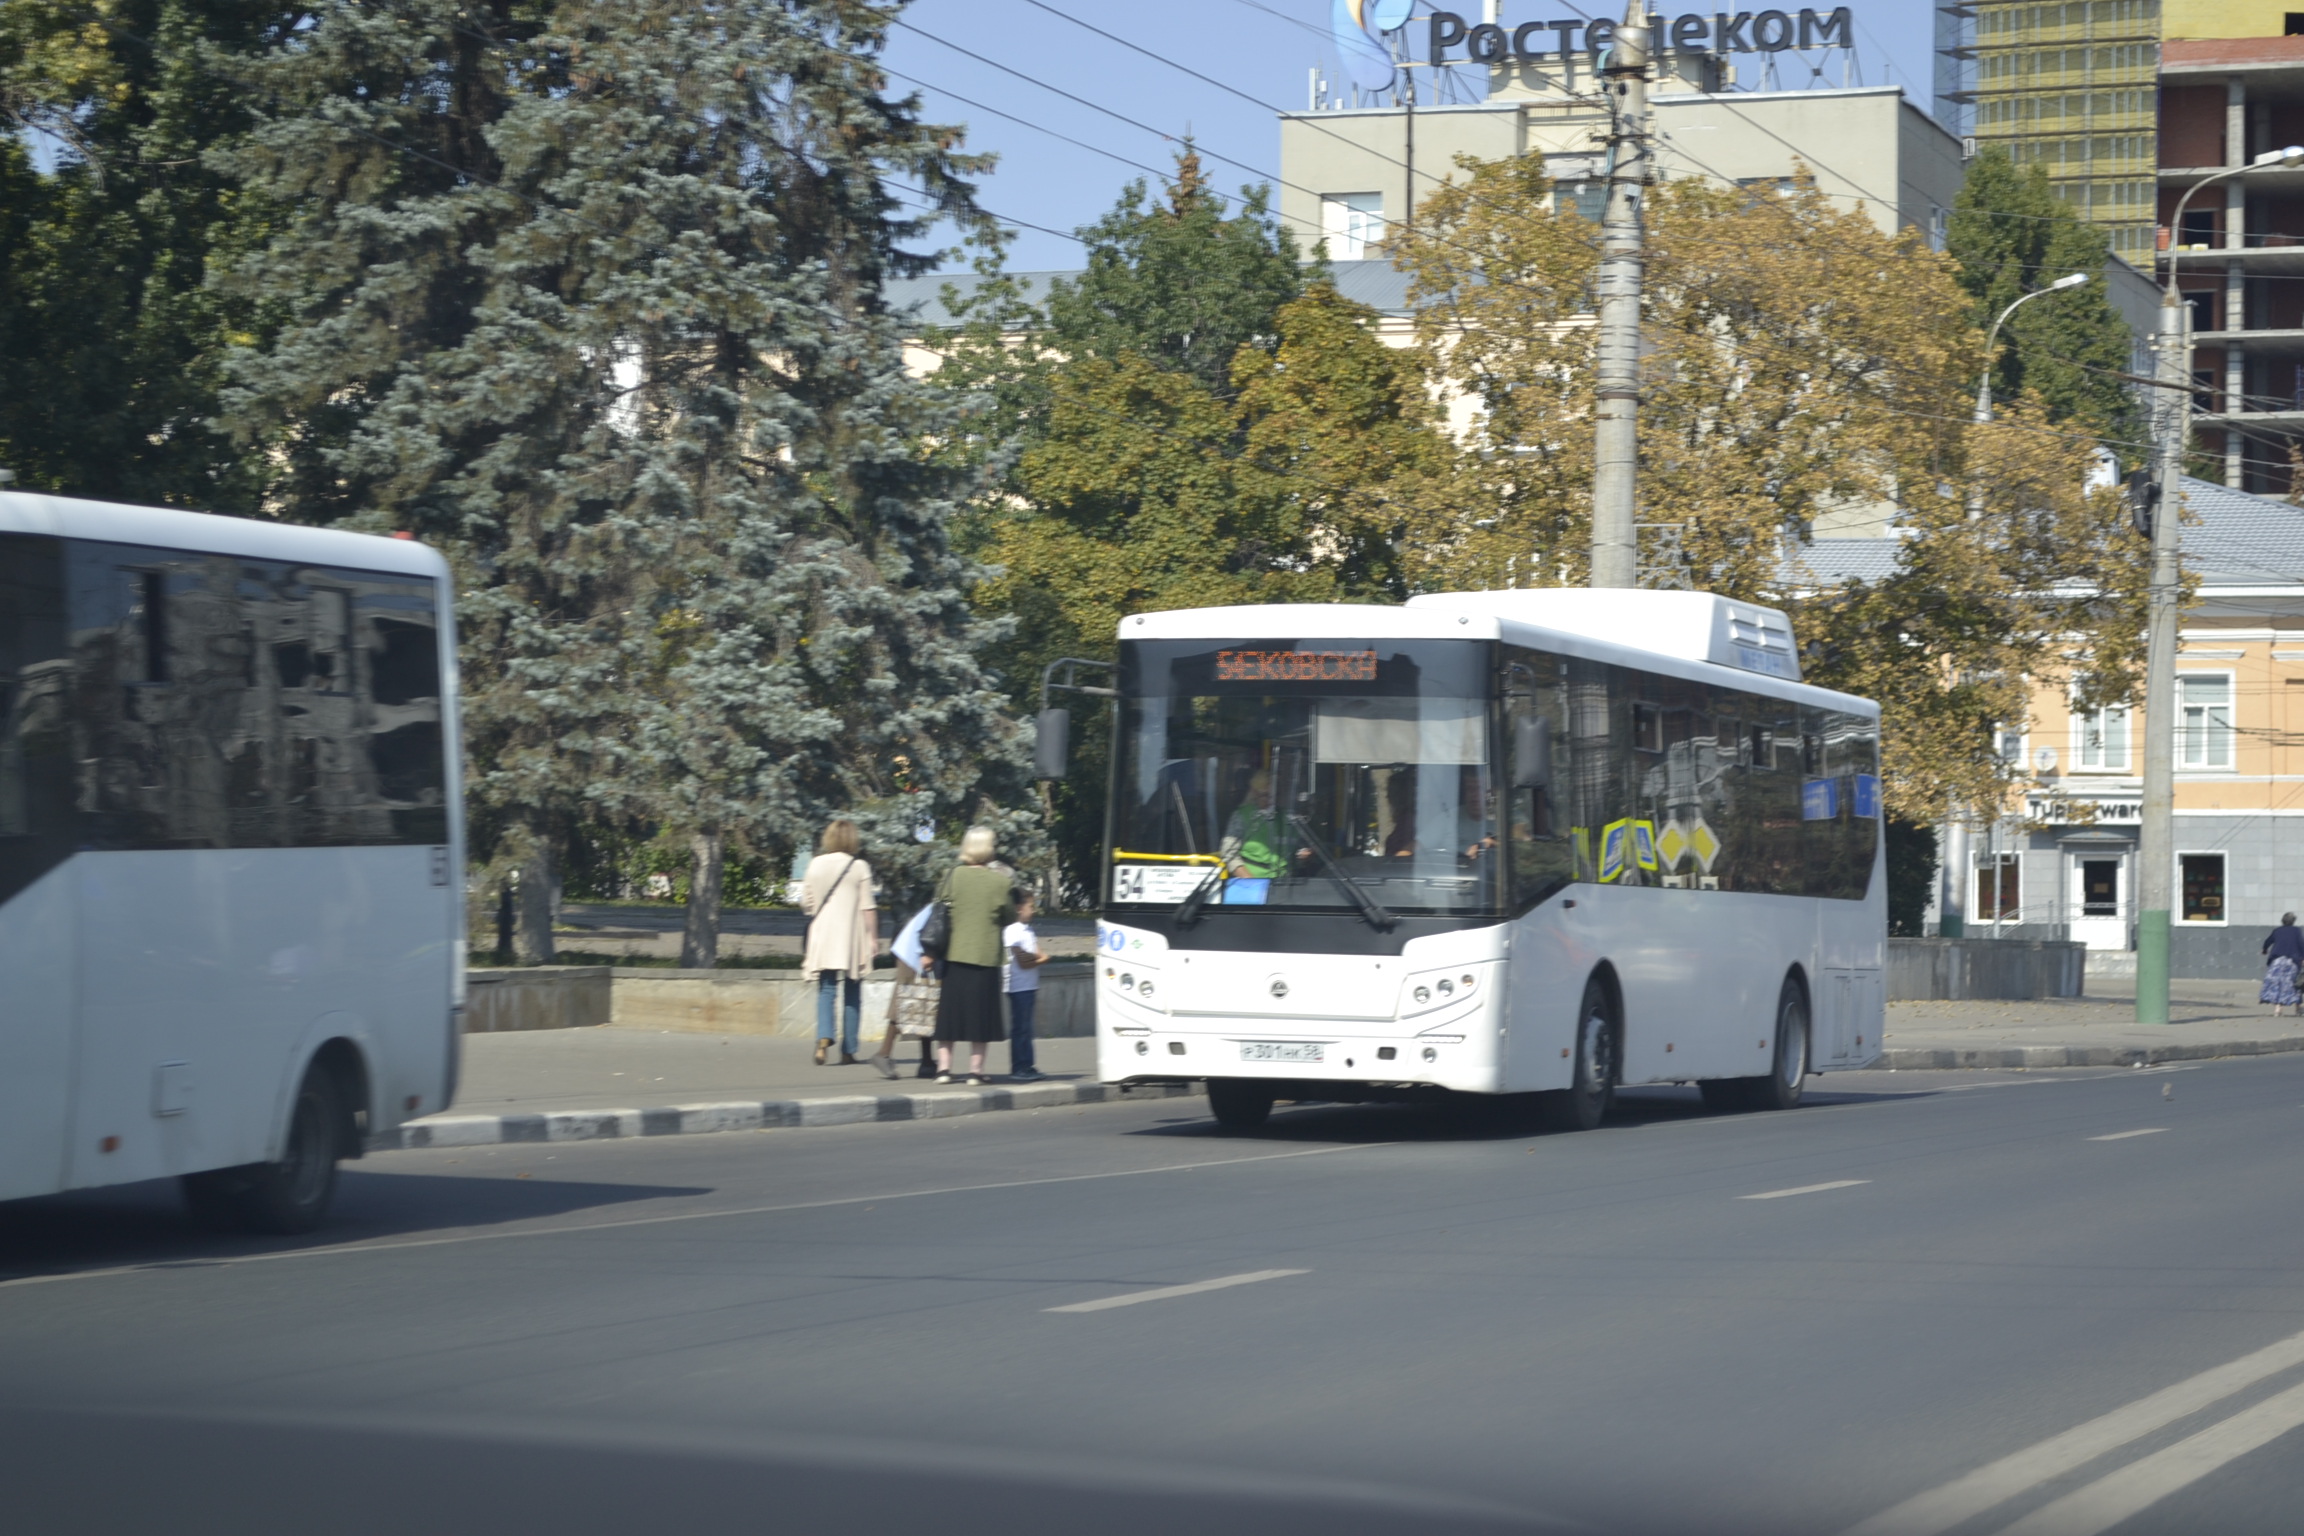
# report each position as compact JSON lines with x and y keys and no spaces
{"x":1370,"y":908}
{"x":1188,"y":910}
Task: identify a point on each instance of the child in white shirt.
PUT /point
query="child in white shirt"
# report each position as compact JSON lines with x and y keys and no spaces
{"x":1022,"y":958}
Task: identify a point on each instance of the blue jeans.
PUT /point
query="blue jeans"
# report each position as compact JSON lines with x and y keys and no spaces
{"x":1020,"y":1006}
{"x":827,"y":986}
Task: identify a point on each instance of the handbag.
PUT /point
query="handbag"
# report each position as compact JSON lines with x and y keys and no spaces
{"x":936,"y":933}
{"x":915,"y":1008}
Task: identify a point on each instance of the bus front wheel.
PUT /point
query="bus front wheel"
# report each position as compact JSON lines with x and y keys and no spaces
{"x":1586,"y":1101}
{"x":1238,"y":1106}
{"x":285,"y":1197}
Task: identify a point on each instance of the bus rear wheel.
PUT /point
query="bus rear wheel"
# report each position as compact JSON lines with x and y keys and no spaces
{"x":1592,"y":1091}
{"x":285,"y":1197}
{"x":1781,"y":1086}
{"x":1238,"y":1106}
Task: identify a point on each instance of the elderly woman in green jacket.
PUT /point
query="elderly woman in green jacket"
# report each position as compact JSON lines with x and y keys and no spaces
{"x":982,"y":905}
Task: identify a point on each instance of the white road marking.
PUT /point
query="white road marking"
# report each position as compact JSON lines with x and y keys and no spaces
{"x":1806,"y":1189}
{"x":1162,"y":1293}
{"x":2124,"y":1135}
{"x":2109,"y":1500}
{"x":573,"y":1229}
{"x":1964,"y":1498}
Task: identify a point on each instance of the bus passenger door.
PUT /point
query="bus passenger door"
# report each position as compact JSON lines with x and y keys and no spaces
{"x":37,"y":871}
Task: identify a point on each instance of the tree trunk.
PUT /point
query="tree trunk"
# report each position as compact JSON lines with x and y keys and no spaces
{"x":532,"y":928}
{"x":700,"y":944}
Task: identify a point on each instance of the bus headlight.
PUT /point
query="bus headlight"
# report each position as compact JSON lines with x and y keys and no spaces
{"x":1144,"y":988}
{"x":1422,"y":994}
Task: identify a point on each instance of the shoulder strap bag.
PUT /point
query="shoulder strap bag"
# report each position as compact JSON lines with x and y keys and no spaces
{"x":936,"y":933}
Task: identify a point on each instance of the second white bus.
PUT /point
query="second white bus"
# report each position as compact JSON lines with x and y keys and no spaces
{"x":1541,"y":842}
{"x":231,"y":907}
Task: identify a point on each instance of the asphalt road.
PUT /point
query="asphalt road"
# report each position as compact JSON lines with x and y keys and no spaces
{"x":1965,"y":1310}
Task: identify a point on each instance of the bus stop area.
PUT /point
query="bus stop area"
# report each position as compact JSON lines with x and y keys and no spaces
{"x":613,"y":1080}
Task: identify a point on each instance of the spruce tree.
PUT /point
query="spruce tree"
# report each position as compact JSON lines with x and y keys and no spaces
{"x":113,"y":334}
{"x":590,"y":295}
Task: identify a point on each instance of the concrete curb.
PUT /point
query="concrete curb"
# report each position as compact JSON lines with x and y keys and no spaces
{"x":1918,"y":1059}
{"x":756,"y":1114}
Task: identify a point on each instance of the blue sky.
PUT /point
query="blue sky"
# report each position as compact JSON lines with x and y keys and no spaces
{"x":1261,"y":49}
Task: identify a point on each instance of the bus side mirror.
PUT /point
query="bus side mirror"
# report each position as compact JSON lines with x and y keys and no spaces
{"x":1531,"y":752}
{"x":1052,"y":751}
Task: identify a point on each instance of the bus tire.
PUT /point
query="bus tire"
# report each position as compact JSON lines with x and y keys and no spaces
{"x":1592,"y":1091}
{"x":1779,"y":1087}
{"x":1238,"y":1106}
{"x":287,"y":1197}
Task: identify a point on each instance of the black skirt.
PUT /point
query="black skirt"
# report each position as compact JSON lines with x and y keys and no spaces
{"x":969,"y":1008}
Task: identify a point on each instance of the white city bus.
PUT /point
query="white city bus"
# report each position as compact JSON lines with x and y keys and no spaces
{"x":1490,"y":842}
{"x":231,"y":918}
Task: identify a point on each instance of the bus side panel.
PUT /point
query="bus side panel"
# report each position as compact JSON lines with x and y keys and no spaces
{"x":204,"y":974}
{"x":36,"y":958}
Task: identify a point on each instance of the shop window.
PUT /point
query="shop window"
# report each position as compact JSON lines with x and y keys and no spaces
{"x":2202,"y":875}
{"x":2100,"y":740}
{"x":2204,"y":704}
{"x":2000,"y":889}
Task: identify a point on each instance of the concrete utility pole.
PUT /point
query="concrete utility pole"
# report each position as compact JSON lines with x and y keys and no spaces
{"x":2172,"y":416}
{"x":2156,"y":836}
{"x":1616,"y":430}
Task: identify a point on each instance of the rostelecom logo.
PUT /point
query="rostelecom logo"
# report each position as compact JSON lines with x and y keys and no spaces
{"x":1363,"y":30}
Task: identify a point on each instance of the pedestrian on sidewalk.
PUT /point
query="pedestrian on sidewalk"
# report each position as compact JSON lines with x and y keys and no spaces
{"x":2283,"y":949}
{"x":969,"y":1010}
{"x":843,"y":932}
{"x":911,"y":964}
{"x":1021,"y":959}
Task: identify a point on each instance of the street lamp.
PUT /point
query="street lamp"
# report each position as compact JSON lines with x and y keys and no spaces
{"x":1992,"y":338}
{"x":1952,"y":896}
{"x":2172,"y":407}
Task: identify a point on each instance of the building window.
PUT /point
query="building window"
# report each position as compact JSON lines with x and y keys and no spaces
{"x":1352,"y":222}
{"x":2295,"y":24}
{"x":2008,"y":741}
{"x":2204,"y":719}
{"x":2100,"y":740}
{"x":2202,"y":876}
{"x":1587,"y":199}
{"x":2000,"y":889}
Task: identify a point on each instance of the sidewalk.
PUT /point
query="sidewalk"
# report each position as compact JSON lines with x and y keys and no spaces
{"x":605,"y":1081}
{"x":2206,"y":1018}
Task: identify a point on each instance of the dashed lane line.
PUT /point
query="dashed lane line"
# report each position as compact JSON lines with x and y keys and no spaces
{"x":1163,"y":1293}
{"x":578,"y":1229}
{"x":2150,"y":1130}
{"x":1805,"y":1189}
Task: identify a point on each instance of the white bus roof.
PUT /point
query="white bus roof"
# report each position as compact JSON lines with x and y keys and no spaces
{"x":165,"y":528}
{"x":1693,"y":635}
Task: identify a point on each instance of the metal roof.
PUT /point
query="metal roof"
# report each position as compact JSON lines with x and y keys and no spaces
{"x":1377,"y":284}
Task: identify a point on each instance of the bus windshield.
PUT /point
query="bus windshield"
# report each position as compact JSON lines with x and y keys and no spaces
{"x":1275,"y":770}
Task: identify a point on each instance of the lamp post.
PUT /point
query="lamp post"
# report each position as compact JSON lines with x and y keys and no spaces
{"x":1952,"y":898}
{"x":1992,"y":337}
{"x":1616,"y":416}
{"x":2172,"y":411}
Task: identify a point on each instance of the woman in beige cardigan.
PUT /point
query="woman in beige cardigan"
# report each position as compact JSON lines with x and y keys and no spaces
{"x":843,"y":933}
